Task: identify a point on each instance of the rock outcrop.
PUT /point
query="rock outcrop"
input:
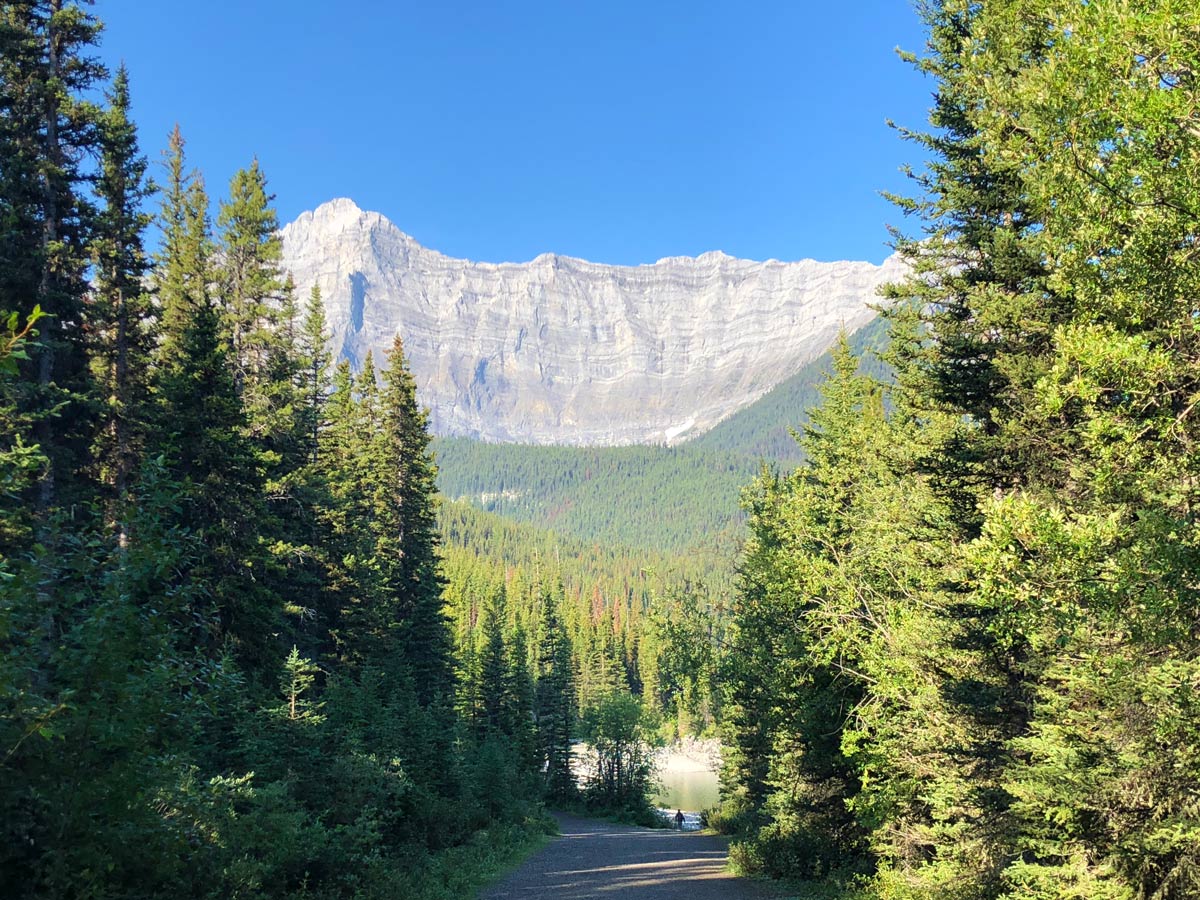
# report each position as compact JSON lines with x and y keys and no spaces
{"x":563,"y":351}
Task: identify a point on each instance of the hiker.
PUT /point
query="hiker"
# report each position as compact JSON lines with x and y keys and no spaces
{"x":679,"y":819}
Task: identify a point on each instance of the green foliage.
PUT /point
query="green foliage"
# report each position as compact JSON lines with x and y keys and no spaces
{"x":123,"y":329}
{"x":965,"y":634}
{"x":764,"y":429}
{"x":50,"y":132}
{"x":607,"y":495}
{"x":226,"y":669}
{"x":679,"y":657}
{"x":618,"y":731}
{"x":20,"y":462}
{"x":298,"y":678}
{"x":555,"y":708}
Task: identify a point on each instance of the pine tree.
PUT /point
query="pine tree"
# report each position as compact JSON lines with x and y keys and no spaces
{"x":520,"y":691}
{"x":804,"y":629}
{"x":1088,"y":562}
{"x":202,"y":437}
{"x":299,"y":675}
{"x":555,"y":704}
{"x":348,"y":545}
{"x":49,"y":128}
{"x":314,"y":374}
{"x":406,"y":510}
{"x":124,"y":320}
{"x":183,"y":271}
{"x":252,"y":285}
{"x":978,"y":284}
{"x":183,"y":265}
{"x":495,"y":700}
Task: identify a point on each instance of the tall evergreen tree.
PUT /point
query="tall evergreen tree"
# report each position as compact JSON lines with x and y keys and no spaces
{"x":495,"y":700}
{"x":252,"y":285}
{"x":202,"y":436}
{"x":183,"y":265}
{"x":407,"y":521}
{"x":314,"y":374}
{"x":49,"y":128}
{"x":123,"y":332}
{"x":520,"y":713}
{"x":555,"y":703}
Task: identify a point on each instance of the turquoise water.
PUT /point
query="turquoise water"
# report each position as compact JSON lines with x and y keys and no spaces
{"x":689,"y":791}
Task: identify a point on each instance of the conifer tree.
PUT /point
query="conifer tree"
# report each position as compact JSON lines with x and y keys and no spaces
{"x":314,"y":373}
{"x":555,"y":703}
{"x":495,"y":700}
{"x":407,"y":521}
{"x":252,"y":285}
{"x":183,"y":265}
{"x":285,"y":435}
{"x":348,"y":544}
{"x":803,"y":628}
{"x":124,"y":328}
{"x":520,"y":691}
{"x":1088,"y":560}
{"x":972,"y":328}
{"x":202,"y":436}
{"x":48,"y":130}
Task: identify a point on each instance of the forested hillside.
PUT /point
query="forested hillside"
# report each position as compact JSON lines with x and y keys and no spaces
{"x":764,"y":430}
{"x":604,"y":494}
{"x":636,"y":620}
{"x":618,"y":495}
{"x":964,"y":656}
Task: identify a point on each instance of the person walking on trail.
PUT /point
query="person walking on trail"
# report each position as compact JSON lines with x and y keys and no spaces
{"x":679,"y":819}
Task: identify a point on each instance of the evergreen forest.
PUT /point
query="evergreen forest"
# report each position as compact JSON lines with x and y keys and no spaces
{"x":262,"y":635}
{"x":616,"y":495}
{"x":964,"y":653}
{"x":229,"y":667}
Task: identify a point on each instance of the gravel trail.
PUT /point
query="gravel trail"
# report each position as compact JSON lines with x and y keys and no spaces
{"x":599,"y":859}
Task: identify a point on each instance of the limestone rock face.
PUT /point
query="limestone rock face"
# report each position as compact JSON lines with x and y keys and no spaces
{"x":563,"y":351}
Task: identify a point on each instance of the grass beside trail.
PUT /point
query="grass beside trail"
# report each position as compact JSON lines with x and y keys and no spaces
{"x":460,"y":872}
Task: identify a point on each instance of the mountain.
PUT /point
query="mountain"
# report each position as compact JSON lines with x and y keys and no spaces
{"x":763,"y":430}
{"x":616,"y":496}
{"x":664,"y":499}
{"x":564,"y":351}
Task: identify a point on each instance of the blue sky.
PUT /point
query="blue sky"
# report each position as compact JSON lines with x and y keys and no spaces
{"x":618,"y":131}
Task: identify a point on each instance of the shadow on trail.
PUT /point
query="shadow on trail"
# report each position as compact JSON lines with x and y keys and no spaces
{"x":598,"y":859}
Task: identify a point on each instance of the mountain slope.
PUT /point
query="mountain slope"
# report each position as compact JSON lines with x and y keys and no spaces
{"x":564,"y":351}
{"x":667,"y":499}
{"x":764,"y":429}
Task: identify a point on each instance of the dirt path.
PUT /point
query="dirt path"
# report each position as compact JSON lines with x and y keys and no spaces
{"x":597,"y":859}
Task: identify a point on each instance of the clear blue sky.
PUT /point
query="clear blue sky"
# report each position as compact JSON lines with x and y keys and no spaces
{"x":617,"y":131}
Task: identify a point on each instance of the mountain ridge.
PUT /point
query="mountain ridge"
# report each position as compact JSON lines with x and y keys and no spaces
{"x":560,"y":350}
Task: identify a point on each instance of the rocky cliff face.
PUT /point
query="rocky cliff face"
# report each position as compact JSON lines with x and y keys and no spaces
{"x":563,"y":351}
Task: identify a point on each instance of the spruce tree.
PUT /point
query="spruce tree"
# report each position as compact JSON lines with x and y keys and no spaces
{"x":124,"y":319}
{"x":314,"y":373}
{"x":406,"y":509}
{"x":48,"y":130}
{"x":555,"y":703}
{"x":495,"y":700}
{"x":1089,"y":561}
{"x":183,"y":264}
{"x":252,"y":285}
{"x":520,"y":713}
{"x":202,"y":437}
{"x":348,"y":544}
